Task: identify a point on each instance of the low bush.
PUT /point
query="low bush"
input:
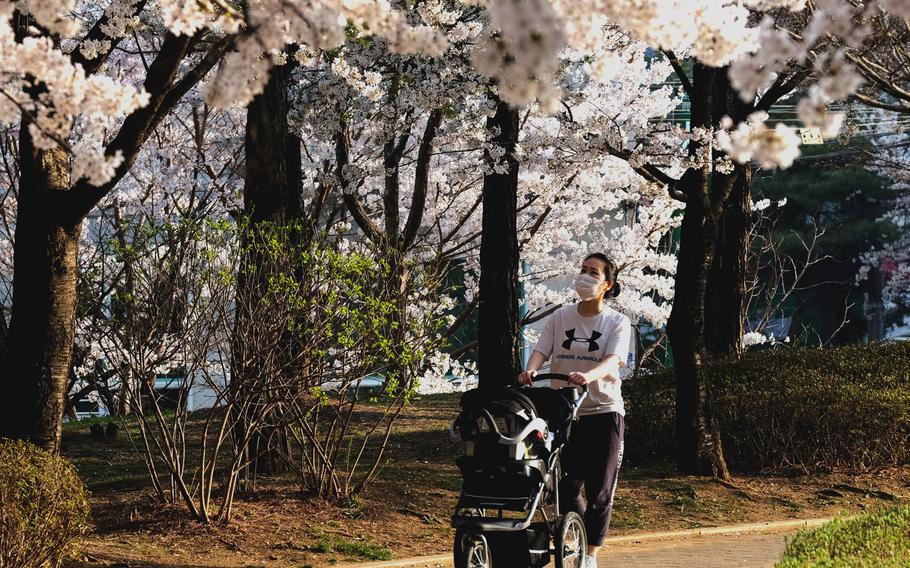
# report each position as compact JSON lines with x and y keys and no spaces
{"x":880,"y":539}
{"x":804,"y":408}
{"x":650,"y":400}
{"x":43,"y":507}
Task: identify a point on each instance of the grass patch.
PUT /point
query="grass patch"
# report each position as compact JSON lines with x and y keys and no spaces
{"x":329,"y":544}
{"x":627,"y":514}
{"x":880,"y":539}
{"x":685,"y":498}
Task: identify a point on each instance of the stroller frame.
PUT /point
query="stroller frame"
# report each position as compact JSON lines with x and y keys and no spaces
{"x":478,"y":532}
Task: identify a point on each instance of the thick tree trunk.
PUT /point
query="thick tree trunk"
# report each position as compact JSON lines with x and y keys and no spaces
{"x":271,"y":194}
{"x":272,"y":185}
{"x":699,"y":448}
{"x":42,"y":324}
{"x":498,"y":342}
{"x":725,"y":301}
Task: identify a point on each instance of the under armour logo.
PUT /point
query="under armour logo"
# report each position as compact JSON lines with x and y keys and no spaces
{"x":591,"y":341}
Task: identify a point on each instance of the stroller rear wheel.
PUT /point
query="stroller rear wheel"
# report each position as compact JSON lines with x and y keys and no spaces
{"x":571,"y":542}
{"x":472,"y":550}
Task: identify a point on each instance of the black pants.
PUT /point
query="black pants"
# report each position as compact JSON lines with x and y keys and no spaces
{"x":591,"y":462}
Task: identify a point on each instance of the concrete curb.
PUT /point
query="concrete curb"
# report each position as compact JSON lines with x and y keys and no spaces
{"x":445,"y":560}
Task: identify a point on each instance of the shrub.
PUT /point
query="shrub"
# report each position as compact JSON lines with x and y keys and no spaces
{"x":43,"y":507}
{"x":650,"y":400}
{"x":812,"y":409}
{"x":880,"y":539}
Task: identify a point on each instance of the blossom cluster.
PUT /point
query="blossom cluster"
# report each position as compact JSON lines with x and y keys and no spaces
{"x":269,"y":27}
{"x":753,"y":140}
{"x":43,"y":87}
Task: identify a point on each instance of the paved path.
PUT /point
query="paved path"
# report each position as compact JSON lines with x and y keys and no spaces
{"x":755,"y":545}
{"x":720,"y":551}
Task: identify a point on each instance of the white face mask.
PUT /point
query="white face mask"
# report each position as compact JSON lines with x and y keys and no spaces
{"x":587,"y":287}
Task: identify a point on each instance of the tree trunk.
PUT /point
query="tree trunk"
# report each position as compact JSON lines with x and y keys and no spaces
{"x":398,"y":377}
{"x":272,"y":183}
{"x":875,"y":308}
{"x":42,"y":324}
{"x":498,"y":342}
{"x":725,"y":301}
{"x":271,"y":194}
{"x":699,"y":449}
{"x":4,"y":329}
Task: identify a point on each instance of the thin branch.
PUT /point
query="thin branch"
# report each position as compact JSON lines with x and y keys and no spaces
{"x":421,"y":179}
{"x":867,"y":100}
{"x":779,"y":89}
{"x":354,"y":206}
{"x":91,"y":66}
{"x":462,"y":317}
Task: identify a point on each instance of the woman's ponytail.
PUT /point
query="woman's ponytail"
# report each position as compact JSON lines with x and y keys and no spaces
{"x":614,"y":291}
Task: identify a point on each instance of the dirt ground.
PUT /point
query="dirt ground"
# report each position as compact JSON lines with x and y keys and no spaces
{"x":406,"y":512}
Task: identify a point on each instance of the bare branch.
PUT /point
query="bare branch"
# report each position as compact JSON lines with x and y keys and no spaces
{"x":421,"y":179}
{"x":680,"y":72}
{"x":354,"y":206}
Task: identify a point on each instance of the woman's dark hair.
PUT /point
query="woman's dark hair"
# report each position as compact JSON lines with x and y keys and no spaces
{"x":611,"y":272}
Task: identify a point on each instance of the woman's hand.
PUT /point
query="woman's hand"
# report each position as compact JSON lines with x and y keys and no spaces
{"x":577,"y":378}
{"x":525,"y":377}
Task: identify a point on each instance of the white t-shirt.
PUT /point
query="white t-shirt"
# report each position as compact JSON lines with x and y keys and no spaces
{"x":574,"y":342}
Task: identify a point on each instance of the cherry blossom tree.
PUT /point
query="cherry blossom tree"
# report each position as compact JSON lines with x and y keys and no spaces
{"x":54,"y":86}
{"x":378,"y":155}
{"x":573,"y":168}
{"x":61,"y":62}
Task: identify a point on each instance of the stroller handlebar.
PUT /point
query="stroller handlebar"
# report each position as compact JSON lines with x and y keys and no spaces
{"x":565,"y":379}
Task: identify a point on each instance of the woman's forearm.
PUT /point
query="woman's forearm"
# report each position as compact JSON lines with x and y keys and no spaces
{"x":536,"y":361}
{"x":606,"y":370}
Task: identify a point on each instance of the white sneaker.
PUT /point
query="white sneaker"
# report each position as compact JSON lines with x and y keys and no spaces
{"x":590,"y":562}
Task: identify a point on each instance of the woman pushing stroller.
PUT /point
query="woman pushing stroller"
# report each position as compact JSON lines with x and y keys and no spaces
{"x":589,"y":341}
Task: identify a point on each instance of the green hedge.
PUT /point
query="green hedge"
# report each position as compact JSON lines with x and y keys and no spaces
{"x":43,"y":507}
{"x":811,"y":409}
{"x":880,"y":539}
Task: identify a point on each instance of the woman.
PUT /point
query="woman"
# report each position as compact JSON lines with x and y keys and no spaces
{"x":589,"y":342}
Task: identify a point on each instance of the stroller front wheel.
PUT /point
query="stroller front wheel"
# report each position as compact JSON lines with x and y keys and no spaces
{"x":571,"y":542}
{"x":472,"y":551}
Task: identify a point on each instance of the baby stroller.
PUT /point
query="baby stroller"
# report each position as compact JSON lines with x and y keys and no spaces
{"x":513,"y":437}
